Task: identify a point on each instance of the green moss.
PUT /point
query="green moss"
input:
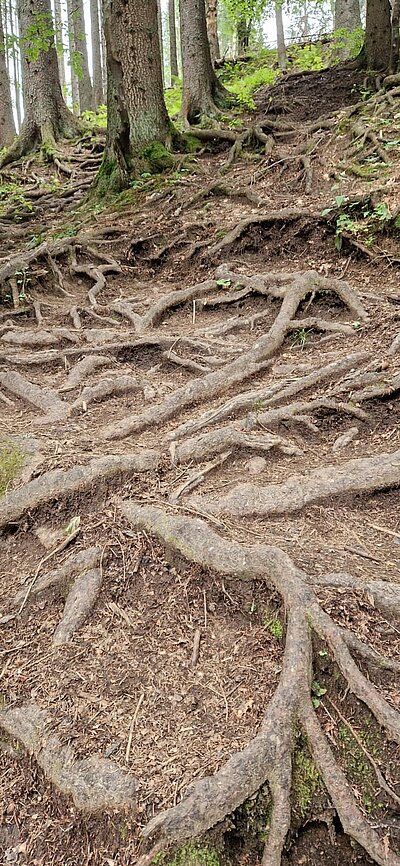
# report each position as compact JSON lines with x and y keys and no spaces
{"x":253,"y":818}
{"x":11,"y":462}
{"x":191,"y":144}
{"x":190,"y":855}
{"x":358,"y":768}
{"x":156,"y":156}
{"x":306,"y":779}
{"x":273,"y":624}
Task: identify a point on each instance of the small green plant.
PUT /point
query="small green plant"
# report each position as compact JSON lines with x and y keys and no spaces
{"x":307,"y":57}
{"x":274,"y":625}
{"x":96,"y":118}
{"x":300,"y":338}
{"x":23,"y":281}
{"x":11,"y":461}
{"x":67,"y":232}
{"x":244,"y":86}
{"x":13,"y":198}
{"x":190,"y":855}
{"x":318,"y":692}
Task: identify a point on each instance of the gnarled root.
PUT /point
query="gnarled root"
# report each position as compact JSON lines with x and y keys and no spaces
{"x":267,"y":758}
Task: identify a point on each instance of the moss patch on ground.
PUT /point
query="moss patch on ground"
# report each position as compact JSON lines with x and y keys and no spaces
{"x":11,"y":462}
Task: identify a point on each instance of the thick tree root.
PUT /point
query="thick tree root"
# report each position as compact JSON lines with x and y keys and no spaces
{"x":79,"y":603}
{"x":93,"y":783}
{"x":205,"y":446}
{"x":294,"y":289}
{"x":41,"y":397}
{"x":275,"y":393}
{"x":361,"y":475}
{"x":59,"y":483}
{"x":163,"y":306}
{"x":267,"y":758}
{"x":82,"y":369}
{"x":106,"y":388}
{"x":76,"y":564}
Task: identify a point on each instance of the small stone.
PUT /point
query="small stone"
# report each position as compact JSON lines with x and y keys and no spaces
{"x":256,"y":465}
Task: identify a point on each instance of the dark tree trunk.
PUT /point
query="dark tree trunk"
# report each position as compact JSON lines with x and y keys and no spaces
{"x":84,"y":82}
{"x":202,"y":91}
{"x":378,"y":35}
{"x":160,"y":37}
{"x":59,"y":41}
{"x":72,"y":59}
{"x":98,"y":93}
{"x":243,"y":31}
{"x":138,"y":130}
{"x":280,"y":35}
{"x":173,"y":57}
{"x":212,"y":29}
{"x":7,"y":126}
{"x":395,"y":47}
{"x":47,"y":118}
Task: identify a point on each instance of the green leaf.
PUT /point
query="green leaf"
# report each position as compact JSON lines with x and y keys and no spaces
{"x":224,"y":283}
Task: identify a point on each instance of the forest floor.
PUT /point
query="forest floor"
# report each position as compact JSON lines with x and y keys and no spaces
{"x":127,"y":334}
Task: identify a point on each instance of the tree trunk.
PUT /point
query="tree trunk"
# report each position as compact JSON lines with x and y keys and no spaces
{"x":98,"y":93}
{"x":395,"y":47}
{"x":14,"y":31}
{"x":280,"y":35}
{"x":202,"y":91}
{"x":347,"y":15}
{"x":59,"y":41}
{"x":212,"y":29}
{"x":378,"y":35}
{"x":47,"y":118}
{"x":138,"y":128}
{"x":7,"y":126}
{"x":173,"y":57}
{"x":84,"y":82}
{"x":243,"y":35}
{"x":160,"y":37}
{"x":72,"y":59}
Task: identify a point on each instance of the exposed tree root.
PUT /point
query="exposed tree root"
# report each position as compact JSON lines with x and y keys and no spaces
{"x":60,"y":483}
{"x":285,"y":215}
{"x":76,"y":564}
{"x":361,"y":475}
{"x":80,"y":601}
{"x":202,"y":447}
{"x":294,"y":289}
{"x":262,"y":397}
{"x":93,"y":783}
{"x":267,"y":758}
{"x":43,"y":398}
{"x":166,"y":303}
{"x":82,"y":369}
{"x":106,"y":388}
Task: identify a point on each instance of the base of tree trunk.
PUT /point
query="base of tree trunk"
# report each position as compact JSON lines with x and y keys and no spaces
{"x":45,"y":137}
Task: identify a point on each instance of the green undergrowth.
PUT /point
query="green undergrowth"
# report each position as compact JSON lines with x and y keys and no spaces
{"x":306,"y":779}
{"x":11,"y":462}
{"x":12,"y":196}
{"x":364,"y":222}
{"x":189,"y":855}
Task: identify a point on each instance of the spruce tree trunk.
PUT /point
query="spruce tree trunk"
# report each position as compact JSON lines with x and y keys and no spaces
{"x":72,"y":59}
{"x":212,"y":29}
{"x":138,"y":127}
{"x":59,"y":41}
{"x":173,"y":56}
{"x":280,"y":35}
{"x":7,"y":126}
{"x":347,"y":15}
{"x":47,"y":118}
{"x":202,"y":91}
{"x":378,"y":35}
{"x":98,"y":93}
{"x":395,"y":47}
{"x":84,"y":82}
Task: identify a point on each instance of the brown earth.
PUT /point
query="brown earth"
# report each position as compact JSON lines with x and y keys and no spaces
{"x":125,"y":686}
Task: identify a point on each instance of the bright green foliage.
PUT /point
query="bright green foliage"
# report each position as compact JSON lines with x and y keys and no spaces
{"x":307,"y":57}
{"x":250,"y":10}
{"x":96,"y":118}
{"x":11,"y":196}
{"x":11,"y":461}
{"x":345,"y":43}
{"x":173,"y":99}
{"x":244,"y":87}
{"x":38,"y":37}
{"x":274,"y":625}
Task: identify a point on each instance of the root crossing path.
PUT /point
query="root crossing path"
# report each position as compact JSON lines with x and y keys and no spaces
{"x":200,"y":596}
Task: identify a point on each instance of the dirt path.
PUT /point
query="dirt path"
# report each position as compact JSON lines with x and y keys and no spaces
{"x":205,"y":392}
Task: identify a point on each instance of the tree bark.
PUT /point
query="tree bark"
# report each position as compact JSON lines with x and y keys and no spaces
{"x":347,"y":15}
{"x":173,"y":56}
{"x":378,"y":35}
{"x":395,"y":47}
{"x":202,"y":91}
{"x":212,"y":29}
{"x":138,"y":127}
{"x":98,"y":93}
{"x":47,"y":118}
{"x":280,"y":35}
{"x":59,"y":41}
{"x":7,"y":126}
{"x":14,"y":30}
{"x":72,"y":56}
{"x":84,"y":82}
